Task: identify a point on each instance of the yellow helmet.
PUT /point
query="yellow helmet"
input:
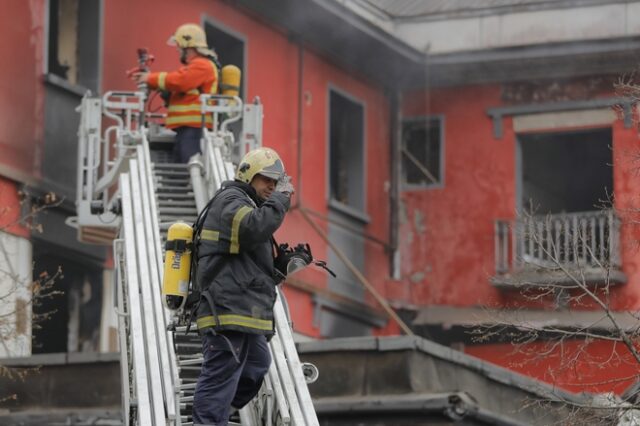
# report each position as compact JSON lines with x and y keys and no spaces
{"x":261,"y":161}
{"x":191,"y":35}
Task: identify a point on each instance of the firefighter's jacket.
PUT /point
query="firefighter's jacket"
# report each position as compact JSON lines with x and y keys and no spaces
{"x":198,"y":76}
{"x":235,"y":260}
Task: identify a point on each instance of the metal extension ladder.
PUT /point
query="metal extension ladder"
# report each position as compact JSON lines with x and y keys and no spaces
{"x":159,"y":367}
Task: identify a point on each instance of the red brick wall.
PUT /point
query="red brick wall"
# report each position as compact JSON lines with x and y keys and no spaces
{"x":22,"y":100}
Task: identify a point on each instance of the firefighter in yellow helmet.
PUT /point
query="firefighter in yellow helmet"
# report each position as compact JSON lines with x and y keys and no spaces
{"x":236,"y":278}
{"x":199,"y":74}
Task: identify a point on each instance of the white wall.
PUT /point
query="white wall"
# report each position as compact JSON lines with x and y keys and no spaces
{"x":533,"y":27}
{"x":15,"y":296}
{"x":109,"y":318}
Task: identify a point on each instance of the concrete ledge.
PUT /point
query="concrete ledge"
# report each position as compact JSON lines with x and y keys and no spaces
{"x":78,"y":417}
{"x":416,"y":369}
{"x":61,"y":382}
{"x":61,"y":358}
{"x":443,"y":408}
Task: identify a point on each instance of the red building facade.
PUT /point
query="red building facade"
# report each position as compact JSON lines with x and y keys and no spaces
{"x":451,"y":243}
{"x":342,"y":104}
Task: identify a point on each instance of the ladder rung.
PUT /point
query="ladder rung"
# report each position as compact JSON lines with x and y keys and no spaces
{"x":168,"y":166}
{"x":170,"y":219}
{"x":176,"y":210}
{"x":197,"y":361}
{"x":173,"y":181}
{"x":172,"y":196}
{"x":172,"y":172}
{"x":170,"y":188}
{"x":178,"y":203}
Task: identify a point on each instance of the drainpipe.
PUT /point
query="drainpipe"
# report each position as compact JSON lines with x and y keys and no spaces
{"x":298,"y":198}
{"x":395,"y":118}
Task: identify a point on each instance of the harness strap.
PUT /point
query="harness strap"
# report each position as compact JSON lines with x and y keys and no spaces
{"x":179,"y":246}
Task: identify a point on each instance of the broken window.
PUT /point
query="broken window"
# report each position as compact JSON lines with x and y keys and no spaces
{"x":73,"y":45}
{"x":67,"y":319}
{"x":346,"y":151}
{"x":547,"y":183}
{"x":229,"y":47}
{"x":422,"y":151}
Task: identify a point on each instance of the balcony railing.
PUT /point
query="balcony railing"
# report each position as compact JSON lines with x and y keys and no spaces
{"x":585,"y":241}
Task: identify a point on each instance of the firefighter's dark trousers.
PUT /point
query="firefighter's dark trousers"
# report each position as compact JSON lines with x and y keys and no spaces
{"x":187,"y":143}
{"x":228,"y":378}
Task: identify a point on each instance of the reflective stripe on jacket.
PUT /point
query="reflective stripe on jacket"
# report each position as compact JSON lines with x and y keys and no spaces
{"x":200,"y":75}
{"x":235,"y":261}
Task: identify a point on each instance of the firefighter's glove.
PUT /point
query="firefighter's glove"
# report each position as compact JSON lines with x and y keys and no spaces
{"x":284,"y":185}
{"x":165,"y":95}
{"x":286,"y":255}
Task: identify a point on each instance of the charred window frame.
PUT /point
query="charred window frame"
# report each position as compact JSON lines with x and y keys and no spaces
{"x":68,"y":319}
{"x":423,"y":152}
{"x":229,"y":45}
{"x":346,"y":153}
{"x":73,"y":43}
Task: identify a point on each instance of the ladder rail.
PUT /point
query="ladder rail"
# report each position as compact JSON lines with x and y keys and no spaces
{"x":278,"y":395}
{"x":286,"y":381}
{"x":88,"y":139}
{"x":159,"y":313}
{"x":295,"y":367}
{"x":136,"y":336}
{"x":118,"y":256}
{"x":196,"y":170}
{"x":147,"y":292}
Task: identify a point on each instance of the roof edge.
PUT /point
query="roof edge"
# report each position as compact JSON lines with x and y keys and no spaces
{"x":413,"y":343}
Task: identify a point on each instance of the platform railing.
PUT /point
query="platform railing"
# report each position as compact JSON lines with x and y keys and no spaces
{"x":574,"y":240}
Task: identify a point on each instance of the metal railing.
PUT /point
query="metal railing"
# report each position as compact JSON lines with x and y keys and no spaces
{"x":573,"y":240}
{"x":102,"y":157}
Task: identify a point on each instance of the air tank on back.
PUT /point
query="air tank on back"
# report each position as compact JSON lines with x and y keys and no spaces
{"x":177,"y":265}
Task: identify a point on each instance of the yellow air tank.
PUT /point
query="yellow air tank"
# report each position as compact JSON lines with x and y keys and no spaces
{"x":177,"y":265}
{"x":230,"y":81}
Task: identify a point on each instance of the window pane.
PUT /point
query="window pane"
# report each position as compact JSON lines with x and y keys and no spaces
{"x":74,"y":37}
{"x":421,"y":152}
{"x":346,"y":151}
{"x":229,"y":48}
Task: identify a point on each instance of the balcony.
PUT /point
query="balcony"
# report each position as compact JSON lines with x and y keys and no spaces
{"x":558,"y":250}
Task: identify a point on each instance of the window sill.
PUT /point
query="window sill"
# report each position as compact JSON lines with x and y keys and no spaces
{"x":61,"y":83}
{"x":352,"y":213}
{"x":416,"y":187}
{"x":528,"y":278}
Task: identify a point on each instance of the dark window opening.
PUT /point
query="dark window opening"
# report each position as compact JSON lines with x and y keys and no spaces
{"x":230,"y":49}
{"x":74,"y":34}
{"x":346,"y":146}
{"x":68,"y":320}
{"x":566,"y":172}
{"x":422,"y":152}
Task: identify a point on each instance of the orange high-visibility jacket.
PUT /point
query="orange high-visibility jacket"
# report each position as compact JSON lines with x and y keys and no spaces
{"x":200,"y":75}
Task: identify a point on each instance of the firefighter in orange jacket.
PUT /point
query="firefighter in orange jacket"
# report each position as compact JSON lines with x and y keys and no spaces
{"x":199,"y":75}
